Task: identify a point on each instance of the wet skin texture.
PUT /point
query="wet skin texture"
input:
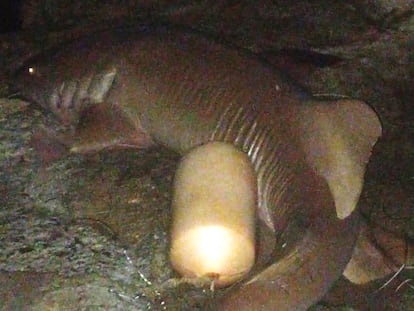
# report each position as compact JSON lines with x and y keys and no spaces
{"x":136,"y":88}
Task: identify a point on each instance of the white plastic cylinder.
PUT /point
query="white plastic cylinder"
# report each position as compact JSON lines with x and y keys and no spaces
{"x":214,"y":201}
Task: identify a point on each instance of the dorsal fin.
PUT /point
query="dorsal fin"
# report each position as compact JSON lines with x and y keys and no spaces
{"x":337,"y":139}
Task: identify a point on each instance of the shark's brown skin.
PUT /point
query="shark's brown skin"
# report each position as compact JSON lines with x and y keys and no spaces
{"x":135,"y":88}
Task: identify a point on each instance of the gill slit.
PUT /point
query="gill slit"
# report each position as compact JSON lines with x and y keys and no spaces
{"x":82,"y":96}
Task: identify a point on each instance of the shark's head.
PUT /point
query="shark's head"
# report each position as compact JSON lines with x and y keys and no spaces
{"x":64,"y":81}
{"x":39,"y":81}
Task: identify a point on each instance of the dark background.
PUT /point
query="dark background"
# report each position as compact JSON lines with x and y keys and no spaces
{"x":10,"y":15}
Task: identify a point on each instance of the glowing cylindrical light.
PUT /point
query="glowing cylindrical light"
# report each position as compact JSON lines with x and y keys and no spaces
{"x":214,"y":204}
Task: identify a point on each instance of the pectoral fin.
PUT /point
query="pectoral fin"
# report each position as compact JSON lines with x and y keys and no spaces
{"x":337,"y":139}
{"x":105,"y":127}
